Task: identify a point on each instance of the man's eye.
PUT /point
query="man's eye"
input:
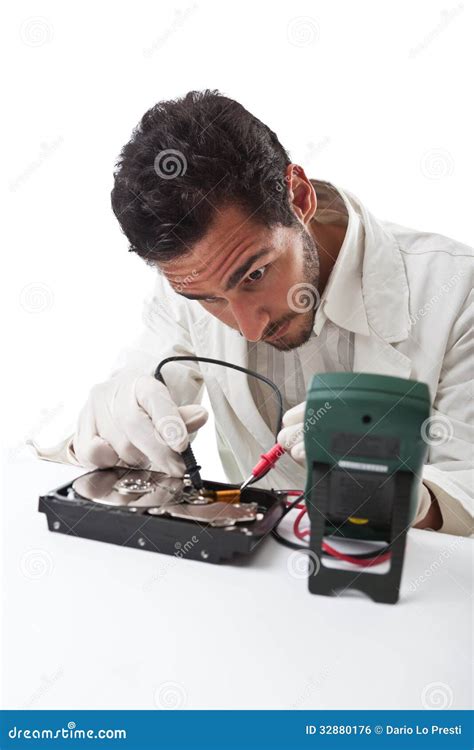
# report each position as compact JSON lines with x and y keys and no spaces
{"x":256,"y":275}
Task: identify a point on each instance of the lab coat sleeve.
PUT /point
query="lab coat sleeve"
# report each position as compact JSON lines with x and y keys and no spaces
{"x":449,"y":471}
{"x":166,"y":332}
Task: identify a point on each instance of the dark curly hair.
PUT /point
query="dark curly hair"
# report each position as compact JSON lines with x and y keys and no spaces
{"x":186,"y":158}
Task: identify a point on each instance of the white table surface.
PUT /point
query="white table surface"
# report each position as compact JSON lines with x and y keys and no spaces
{"x":93,"y":625}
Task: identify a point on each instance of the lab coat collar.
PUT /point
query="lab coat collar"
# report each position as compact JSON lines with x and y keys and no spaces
{"x":342,"y":301}
{"x":367,"y":289}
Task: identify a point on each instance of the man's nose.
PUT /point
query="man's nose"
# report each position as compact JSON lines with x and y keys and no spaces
{"x":250,"y":319}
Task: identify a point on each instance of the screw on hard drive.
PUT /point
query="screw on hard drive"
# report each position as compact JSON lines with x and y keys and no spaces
{"x":56,"y":525}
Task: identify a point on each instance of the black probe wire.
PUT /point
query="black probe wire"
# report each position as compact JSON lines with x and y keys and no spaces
{"x":192,"y":466}
{"x":305,"y":547}
{"x":281,"y":539}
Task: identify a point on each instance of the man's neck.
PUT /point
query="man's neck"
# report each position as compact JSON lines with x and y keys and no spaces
{"x":329,"y":239}
{"x":328,"y":228}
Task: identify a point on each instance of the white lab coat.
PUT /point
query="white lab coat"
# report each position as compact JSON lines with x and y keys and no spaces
{"x":415,"y":288}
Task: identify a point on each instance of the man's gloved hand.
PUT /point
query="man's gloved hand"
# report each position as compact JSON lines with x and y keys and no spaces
{"x":132,"y":418}
{"x":291,"y":437}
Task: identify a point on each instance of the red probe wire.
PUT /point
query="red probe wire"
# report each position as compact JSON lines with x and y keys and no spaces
{"x":303,"y":533}
{"x":267,"y":462}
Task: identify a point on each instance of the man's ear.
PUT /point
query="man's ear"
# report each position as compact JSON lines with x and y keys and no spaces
{"x":301,"y":193}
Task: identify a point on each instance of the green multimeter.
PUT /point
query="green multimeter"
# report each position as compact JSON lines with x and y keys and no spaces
{"x":365,"y":452}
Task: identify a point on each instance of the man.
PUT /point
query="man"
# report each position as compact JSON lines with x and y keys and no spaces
{"x":262,"y":267}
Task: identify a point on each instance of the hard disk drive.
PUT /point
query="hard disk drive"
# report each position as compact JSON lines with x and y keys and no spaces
{"x":152,"y":511}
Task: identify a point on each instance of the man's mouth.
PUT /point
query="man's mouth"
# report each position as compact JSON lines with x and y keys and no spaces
{"x":277,"y":333}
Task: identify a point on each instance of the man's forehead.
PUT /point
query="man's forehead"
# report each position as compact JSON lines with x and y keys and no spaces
{"x":232,"y":235}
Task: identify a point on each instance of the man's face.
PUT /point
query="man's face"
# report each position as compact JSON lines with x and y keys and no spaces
{"x":262,"y":282}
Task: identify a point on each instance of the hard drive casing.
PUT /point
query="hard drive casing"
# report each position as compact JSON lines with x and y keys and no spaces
{"x":80,"y":517}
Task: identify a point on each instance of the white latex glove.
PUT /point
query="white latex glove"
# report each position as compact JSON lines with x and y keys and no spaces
{"x":291,"y":437}
{"x":132,"y":418}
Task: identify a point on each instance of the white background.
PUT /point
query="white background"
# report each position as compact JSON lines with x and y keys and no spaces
{"x":373,"y":96}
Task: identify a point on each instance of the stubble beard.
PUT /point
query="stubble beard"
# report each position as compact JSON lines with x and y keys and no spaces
{"x":306,"y":318}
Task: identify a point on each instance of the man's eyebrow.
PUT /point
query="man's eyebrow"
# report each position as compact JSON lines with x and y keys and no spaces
{"x":240,"y":272}
{"x":234,"y":279}
{"x":194,"y":296}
